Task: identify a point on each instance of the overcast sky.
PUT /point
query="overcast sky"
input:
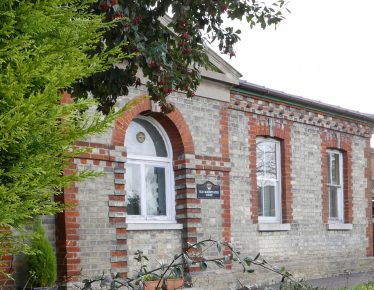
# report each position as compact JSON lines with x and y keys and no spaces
{"x":324,"y":51}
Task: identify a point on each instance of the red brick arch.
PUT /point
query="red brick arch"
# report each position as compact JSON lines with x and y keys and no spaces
{"x":173,"y":123}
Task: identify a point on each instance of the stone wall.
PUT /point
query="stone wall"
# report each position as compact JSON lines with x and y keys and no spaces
{"x":159,"y":246}
{"x":215,"y":141}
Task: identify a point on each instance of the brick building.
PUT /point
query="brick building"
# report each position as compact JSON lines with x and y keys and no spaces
{"x":294,"y":178}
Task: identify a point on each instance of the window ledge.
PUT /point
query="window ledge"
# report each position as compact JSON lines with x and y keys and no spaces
{"x":153,"y":226}
{"x":273,"y":227}
{"x":339,"y":227}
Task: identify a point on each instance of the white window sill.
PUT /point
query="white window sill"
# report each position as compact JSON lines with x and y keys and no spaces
{"x":339,"y":227}
{"x":153,"y":226}
{"x":273,"y":227}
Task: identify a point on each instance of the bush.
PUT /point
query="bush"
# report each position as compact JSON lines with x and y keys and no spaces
{"x":41,"y":266}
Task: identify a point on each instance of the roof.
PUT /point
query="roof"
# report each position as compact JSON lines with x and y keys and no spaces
{"x":297,"y":100}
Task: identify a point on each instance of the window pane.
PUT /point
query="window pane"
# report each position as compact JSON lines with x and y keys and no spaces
{"x":266,"y":198}
{"x":270,"y":160}
{"x":260,"y":169}
{"x":333,"y":202}
{"x":155,"y":190}
{"x":335,"y":167}
{"x":142,"y":138}
{"x":133,"y":189}
{"x":269,"y":200}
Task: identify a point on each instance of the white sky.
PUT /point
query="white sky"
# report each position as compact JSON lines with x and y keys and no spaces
{"x":324,"y":51}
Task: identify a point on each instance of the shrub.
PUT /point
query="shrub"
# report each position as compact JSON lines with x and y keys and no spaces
{"x":41,"y":266}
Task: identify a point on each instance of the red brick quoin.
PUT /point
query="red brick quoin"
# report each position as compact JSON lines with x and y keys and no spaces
{"x":67,"y":237}
{"x":67,"y":248}
{"x":281,"y":131}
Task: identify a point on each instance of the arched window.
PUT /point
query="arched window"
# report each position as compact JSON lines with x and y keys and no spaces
{"x":149,"y":175}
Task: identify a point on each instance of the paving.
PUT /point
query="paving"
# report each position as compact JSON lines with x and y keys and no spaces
{"x":344,"y":280}
{"x":337,"y":282}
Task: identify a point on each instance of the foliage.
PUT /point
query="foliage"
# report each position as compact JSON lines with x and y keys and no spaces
{"x":170,"y":50}
{"x":366,"y":286}
{"x":150,"y":277}
{"x":45,"y":46}
{"x":42,"y":265}
{"x":193,"y":256}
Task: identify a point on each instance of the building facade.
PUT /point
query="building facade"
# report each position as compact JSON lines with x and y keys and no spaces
{"x":294,"y":180}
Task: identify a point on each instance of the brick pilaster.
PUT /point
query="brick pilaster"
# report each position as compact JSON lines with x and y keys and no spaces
{"x":67,"y":233}
{"x":369,"y":227}
{"x":225,"y":179}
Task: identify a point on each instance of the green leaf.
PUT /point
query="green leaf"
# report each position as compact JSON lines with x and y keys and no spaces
{"x":248,"y":261}
{"x":219,"y":247}
{"x":203,"y":265}
{"x":219,"y":263}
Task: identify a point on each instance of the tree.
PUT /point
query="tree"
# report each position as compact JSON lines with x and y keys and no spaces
{"x":42,"y":266}
{"x":170,"y":50}
{"x":45,"y":46}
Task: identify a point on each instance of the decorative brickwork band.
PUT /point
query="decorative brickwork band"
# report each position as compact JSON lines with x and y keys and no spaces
{"x":280,"y":130}
{"x":343,"y":143}
{"x":298,"y":114}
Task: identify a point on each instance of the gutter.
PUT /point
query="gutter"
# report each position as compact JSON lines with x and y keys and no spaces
{"x":247,"y":87}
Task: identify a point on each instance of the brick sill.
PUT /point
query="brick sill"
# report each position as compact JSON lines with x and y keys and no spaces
{"x":273,"y":227}
{"x":153,"y":226}
{"x":339,"y":227}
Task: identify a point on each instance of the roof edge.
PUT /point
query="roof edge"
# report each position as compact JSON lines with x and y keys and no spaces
{"x":266,"y":92}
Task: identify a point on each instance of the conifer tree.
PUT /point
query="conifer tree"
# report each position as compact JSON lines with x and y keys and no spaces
{"x":45,"y":47}
{"x":41,"y":265}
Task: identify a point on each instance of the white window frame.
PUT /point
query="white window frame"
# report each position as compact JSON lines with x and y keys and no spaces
{"x":278,"y":183}
{"x":165,"y":162}
{"x":340,"y":187}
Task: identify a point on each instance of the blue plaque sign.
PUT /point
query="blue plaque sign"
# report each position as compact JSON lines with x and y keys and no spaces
{"x":208,"y":190}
